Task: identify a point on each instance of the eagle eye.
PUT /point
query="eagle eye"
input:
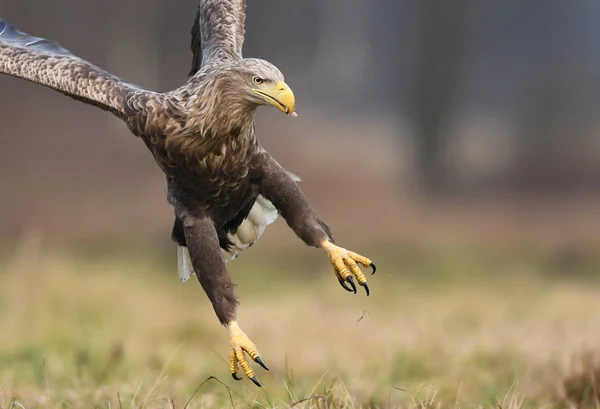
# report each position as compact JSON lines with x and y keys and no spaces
{"x":258,"y":80}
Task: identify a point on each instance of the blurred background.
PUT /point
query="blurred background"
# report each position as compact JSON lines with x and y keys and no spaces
{"x":456,"y":143}
{"x":419,"y":121}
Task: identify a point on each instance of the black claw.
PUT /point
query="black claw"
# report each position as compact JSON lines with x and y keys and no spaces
{"x":253,"y":379}
{"x":259,"y":361}
{"x":234,"y":376}
{"x":374,"y":267}
{"x":343,"y":284}
{"x":350,"y":279}
{"x":366,"y":288}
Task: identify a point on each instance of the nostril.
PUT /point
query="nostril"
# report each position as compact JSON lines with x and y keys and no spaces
{"x":281,"y":89}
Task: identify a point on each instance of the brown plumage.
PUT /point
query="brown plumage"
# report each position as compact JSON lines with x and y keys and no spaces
{"x":202,"y":137}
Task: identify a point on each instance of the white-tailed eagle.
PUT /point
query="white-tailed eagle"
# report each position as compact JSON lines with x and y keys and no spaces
{"x":224,"y":186}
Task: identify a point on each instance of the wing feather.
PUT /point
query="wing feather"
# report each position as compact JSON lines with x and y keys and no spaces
{"x":45,"y":62}
{"x":218,"y":32}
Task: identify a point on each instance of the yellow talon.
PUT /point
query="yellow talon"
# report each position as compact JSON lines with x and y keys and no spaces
{"x":240,"y":344}
{"x":345,"y":264}
{"x":360,"y":259}
{"x":241,"y":358}
{"x":360,"y":277}
{"x":233,"y":365}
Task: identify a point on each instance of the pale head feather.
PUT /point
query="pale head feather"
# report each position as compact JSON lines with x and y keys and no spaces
{"x":224,"y":96}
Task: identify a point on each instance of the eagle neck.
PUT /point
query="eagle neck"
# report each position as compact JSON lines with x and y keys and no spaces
{"x":212,"y":110}
{"x":226,"y":114}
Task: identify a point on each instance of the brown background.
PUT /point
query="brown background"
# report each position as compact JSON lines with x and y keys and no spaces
{"x":418,"y":122}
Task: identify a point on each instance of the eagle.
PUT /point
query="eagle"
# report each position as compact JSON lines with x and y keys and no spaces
{"x":223,"y":186}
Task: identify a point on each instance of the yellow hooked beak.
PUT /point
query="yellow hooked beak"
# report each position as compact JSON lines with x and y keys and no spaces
{"x":281,"y":97}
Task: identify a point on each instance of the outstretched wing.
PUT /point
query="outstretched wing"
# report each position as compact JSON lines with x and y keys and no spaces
{"x":45,"y":62}
{"x":218,"y":32}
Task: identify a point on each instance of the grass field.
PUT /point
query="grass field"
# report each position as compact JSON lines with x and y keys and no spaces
{"x":446,"y":329}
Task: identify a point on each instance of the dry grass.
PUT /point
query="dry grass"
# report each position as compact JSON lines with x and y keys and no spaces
{"x":125,"y":333}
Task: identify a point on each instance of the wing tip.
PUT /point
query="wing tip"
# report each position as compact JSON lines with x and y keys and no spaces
{"x":6,"y":27}
{"x":12,"y":35}
{"x":9,"y":31}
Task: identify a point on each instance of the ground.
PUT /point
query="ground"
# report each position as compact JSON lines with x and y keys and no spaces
{"x":442,"y":328}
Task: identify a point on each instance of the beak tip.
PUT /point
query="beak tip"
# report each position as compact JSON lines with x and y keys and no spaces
{"x":294,"y":114}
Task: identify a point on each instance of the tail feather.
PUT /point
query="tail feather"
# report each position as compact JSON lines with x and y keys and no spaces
{"x":184,"y":264}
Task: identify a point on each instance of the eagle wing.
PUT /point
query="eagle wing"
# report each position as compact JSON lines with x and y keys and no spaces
{"x":217,"y":32}
{"x":45,"y":62}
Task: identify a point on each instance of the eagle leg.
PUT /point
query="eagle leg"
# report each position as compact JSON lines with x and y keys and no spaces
{"x":285,"y":194}
{"x":345,"y":264}
{"x":202,"y":242}
{"x":240,"y":345}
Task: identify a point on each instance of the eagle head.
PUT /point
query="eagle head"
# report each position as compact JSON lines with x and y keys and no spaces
{"x":259,"y":82}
